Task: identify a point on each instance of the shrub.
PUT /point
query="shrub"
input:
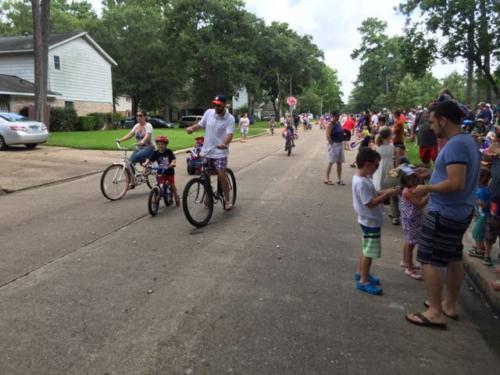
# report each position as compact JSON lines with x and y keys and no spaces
{"x":63,"y":119}
{"x":87,"y":123}
{"x":107,"y":120}
{"x":25,"y":111}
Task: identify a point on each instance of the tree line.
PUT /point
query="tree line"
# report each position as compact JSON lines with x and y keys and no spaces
{"x":395,"y":71}
{"x":177,"y":53}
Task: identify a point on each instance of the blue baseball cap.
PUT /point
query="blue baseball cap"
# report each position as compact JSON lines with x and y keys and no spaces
{"x":219,"y":100}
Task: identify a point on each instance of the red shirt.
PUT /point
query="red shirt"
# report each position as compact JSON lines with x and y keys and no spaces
{"x":349,"y":124}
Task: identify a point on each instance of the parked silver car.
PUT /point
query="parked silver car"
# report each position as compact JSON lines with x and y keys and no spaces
{"x":16,"y":129}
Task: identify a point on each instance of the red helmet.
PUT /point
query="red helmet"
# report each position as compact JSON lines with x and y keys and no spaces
{"x":162,"y":138}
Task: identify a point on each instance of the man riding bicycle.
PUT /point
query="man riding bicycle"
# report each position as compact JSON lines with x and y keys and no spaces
{"x":219,"y":127}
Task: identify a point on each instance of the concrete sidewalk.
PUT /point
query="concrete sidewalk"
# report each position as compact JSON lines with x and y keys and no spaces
{"x":23,"y":169}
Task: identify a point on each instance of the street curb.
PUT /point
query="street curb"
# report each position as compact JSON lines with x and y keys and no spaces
{"x":476,"y":273}
{"x":482,"y":284}
{"x":67,"y":179}
{"x":49,"y":183}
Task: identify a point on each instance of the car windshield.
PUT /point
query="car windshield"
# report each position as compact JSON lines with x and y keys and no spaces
{"x":13,"y":117}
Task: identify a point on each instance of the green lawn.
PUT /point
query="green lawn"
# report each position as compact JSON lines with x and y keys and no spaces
{"x":105,"y":139}
{"x":412,"y":152}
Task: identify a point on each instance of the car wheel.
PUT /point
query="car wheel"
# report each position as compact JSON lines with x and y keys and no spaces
{"x":31,"y":145}
{"x":3,"y":145}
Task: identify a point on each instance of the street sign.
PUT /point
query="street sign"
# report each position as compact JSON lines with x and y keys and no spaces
{"x":291,"y":101}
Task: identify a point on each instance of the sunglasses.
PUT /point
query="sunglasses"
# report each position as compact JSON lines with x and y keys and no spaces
{"x":139,"y":115}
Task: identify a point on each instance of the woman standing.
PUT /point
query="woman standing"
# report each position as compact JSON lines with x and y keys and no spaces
{"x":398,"y":136}
{"x":143,"y":133}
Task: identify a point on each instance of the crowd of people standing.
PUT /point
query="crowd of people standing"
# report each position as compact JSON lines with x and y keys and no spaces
{"x":434,"y":201}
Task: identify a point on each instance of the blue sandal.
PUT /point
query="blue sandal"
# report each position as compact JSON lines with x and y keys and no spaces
{"x":369,"y":288}
{"x":374,"y":280}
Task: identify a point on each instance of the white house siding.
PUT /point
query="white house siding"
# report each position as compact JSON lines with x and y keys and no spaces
{"x":241,"y":100}
{"x":124,"y":104}
{"x":84,"y":75}
{"x":21,"y":65}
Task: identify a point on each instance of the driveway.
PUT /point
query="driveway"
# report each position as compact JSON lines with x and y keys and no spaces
{"x":22,"y":168}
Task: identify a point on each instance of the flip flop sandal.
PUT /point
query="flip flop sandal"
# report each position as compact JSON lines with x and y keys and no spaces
{"x":454,"y":317}
{"x":424,"y":322}
{"x":341,"y":183}
{"x":328,"y":182}
{"x":476,"y":254}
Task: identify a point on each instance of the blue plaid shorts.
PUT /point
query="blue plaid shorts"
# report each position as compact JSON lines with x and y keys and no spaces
{"x":216,"y":165}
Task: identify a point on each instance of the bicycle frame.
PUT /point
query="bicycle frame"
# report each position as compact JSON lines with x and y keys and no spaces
{"x":137,"y":176}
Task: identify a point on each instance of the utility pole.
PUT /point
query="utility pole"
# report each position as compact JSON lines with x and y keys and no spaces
{"x":41,"y":14}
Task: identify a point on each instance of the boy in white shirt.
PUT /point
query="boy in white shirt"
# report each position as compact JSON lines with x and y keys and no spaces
{"x":367,"y":203}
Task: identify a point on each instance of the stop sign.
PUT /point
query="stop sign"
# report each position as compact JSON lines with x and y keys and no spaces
{"x":291,"y":100}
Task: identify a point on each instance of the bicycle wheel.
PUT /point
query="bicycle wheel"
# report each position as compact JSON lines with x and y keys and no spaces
{"x":154,"y":201}
{"x":198,"y":202}
{"x":289,"y":147}
{"x":144,"y":175}
{"x":115,"y":181}
{"x":231,"y":180}
{"x":167,"y":196}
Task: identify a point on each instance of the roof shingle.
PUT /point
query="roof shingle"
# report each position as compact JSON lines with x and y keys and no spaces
{"x":14,"y":84}
{"x":25,"y":43}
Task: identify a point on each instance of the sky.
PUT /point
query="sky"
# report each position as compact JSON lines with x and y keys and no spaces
{"x":333,"y":26}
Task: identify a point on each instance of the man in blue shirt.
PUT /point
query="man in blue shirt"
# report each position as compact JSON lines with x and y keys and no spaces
{"x":335,"y":139}
{"x":452,"y":190}
{"x":485,"y":115}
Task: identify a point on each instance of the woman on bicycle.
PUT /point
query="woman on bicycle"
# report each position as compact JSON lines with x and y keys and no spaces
{"x":143,"y":133}
{"x":166,"y":160}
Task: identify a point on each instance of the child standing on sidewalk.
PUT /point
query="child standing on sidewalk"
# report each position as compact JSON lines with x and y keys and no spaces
{"x":411,"y":219}
{"x":483,"y":201}
{"x":367,"y":203}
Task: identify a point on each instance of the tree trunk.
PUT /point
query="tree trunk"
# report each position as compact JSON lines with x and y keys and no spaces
{"x":484,"y":50}
{"x":277,"y":115}
{"x":470,"y":60}
{"x":479,"y":81}
{"x":135,"y":104}
{"x":470,"y":81}
{"x":41,"y":13}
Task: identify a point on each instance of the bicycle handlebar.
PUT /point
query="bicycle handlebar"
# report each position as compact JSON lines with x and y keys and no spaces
{"x":118,"y":144}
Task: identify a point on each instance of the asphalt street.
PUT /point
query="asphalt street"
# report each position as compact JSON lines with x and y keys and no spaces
{"x":89,"y":286}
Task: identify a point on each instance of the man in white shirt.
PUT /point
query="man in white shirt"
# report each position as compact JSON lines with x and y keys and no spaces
{"x":219,"y":127}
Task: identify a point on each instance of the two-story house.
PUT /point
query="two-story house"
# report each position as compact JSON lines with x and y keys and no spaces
{"x":79,"y":73}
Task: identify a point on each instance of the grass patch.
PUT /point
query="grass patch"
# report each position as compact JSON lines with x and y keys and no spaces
{"x":105,"y":139}
{"x":412,"y":152}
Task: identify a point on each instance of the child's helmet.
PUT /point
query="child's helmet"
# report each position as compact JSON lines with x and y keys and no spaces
{"x":162,"y":138}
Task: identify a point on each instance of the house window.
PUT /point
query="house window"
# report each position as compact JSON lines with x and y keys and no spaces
{"x":57,"y":63}
{"x":69,"y":105}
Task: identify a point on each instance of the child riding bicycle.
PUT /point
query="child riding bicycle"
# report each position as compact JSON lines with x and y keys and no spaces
{"x":166,"y":161}
{"x":289,"y":133}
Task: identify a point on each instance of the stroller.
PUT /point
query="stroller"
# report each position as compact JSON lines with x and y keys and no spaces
{"x":194,"y":160}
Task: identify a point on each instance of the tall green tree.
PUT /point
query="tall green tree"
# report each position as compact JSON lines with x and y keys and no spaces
{"x":381,"y":65}
{"x":16,"y":17}
{"x":211,"y":37}
{"x":131,"y":32}
{"x":471,"y":30}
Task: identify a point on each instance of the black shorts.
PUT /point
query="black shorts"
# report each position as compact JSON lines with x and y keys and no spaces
{"x":440,"y":240}
{"x":347,"y":135}
{"x":400,"y":145}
